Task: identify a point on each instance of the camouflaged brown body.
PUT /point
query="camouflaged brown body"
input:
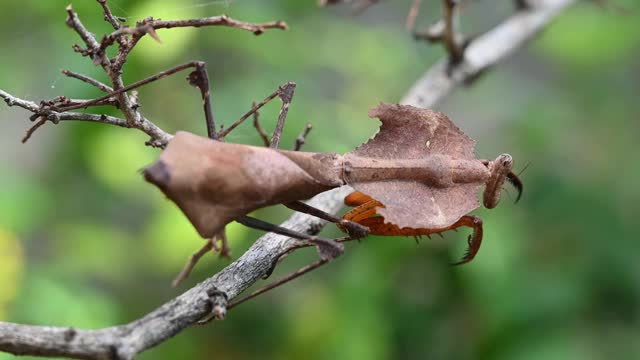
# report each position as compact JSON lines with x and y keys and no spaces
{"x":419,"y":165}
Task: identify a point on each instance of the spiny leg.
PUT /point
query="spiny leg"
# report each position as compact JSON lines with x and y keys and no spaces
{"x":261,"y":225}
{"x":352,"y":228}
{"x":356,"y":198}
{"x":193,"y":260}
{"x":210,"y":245}
{"x":364,"y":207}
{"x":378,"y":227}
{"x":355,"y":230}
{"x":365,"y":214}
{"x":302,"y":207}
{"x":327,"y":248}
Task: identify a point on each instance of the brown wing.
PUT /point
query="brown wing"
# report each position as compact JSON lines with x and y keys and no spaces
{"x":408,"y":132}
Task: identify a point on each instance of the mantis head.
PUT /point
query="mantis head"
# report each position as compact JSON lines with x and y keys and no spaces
{"x":500,"y":170}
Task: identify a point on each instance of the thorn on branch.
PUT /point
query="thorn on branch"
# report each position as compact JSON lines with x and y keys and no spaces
{"x":152,"y":32}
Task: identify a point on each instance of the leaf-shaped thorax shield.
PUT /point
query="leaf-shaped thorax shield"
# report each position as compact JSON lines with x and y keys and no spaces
{"x":419,"y":165}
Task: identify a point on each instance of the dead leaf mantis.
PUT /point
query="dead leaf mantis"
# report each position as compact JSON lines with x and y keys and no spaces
{"x":417,"y":176}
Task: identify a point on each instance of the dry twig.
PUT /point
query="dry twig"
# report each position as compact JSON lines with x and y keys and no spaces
{"x":300,"y":140}
{"x":117,"y":94}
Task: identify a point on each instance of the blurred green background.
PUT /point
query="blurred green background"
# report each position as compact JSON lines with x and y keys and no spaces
{"x":84,"y":241}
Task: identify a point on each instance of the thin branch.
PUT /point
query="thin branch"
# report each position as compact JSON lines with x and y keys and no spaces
{"x":135,"y":85}
{"x":108,"y":16}
{"x":32,"y":129}
{"x":93,"y":47}
{"x":450,"y":35}
{"x":74,"y":22}
{"x":117,"y":94}
{"x":104,"y":87}
{"x":254,"y":109}
{"x":300,"y":140}
{"x":200,"y":79}
{"x":15,"y":101}
{"x":259,"y":129}
{"x":55,"y":117}
{"x":125,"y":341}
{"x":101,"y":118}
{"x":444,"y":31}
{"x":484,"y":52}
{"x":275,"y":284}
{"x":149,"y":25}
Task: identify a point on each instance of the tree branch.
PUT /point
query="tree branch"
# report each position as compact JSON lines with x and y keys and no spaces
{"x":125,"y":341}
{"x":484,"y":52}
{"x":148,"y":26}
{"x":127,"y":38}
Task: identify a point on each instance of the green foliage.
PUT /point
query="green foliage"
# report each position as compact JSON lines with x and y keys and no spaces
{"x":84,"y":241}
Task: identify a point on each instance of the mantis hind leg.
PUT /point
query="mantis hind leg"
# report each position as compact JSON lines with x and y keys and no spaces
{"x":365,"y":214}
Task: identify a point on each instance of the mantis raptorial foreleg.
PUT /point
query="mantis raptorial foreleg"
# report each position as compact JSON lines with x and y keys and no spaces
{"x":365,"y":214}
